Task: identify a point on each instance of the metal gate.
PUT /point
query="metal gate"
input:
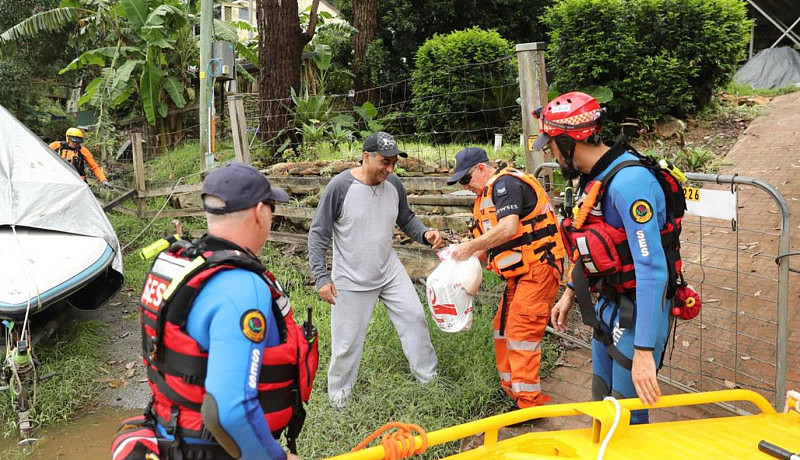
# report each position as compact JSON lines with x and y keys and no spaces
{"x":738,"y":266}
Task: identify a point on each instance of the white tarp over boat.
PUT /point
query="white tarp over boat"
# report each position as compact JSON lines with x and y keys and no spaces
{"x":39,"y":190}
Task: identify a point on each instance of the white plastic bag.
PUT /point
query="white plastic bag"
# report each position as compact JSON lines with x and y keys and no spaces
{"x":450,"y":289}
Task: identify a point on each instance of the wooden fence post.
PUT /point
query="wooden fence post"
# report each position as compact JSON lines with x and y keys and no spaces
{"x":533,"y":94}
{"x":239,"y":128}
{"x":138,"y":172}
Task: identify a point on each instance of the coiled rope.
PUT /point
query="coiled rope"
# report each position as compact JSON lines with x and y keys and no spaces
{"x":398,"y":444}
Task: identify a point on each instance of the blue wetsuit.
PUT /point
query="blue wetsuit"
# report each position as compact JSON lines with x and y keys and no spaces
{"x":633,"y":200}
{"x":214,"y":322}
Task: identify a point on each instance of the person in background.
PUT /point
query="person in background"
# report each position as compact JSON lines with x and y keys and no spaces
{"x":358,"y":212}
{"x":74,"y":153}
{"x":515,"y":228}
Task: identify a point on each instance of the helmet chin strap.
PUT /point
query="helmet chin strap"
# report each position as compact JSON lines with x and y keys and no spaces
{"x":566,"y":145}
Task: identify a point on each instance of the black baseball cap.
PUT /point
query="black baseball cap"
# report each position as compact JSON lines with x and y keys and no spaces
{"x":383,"y":143}
{"x":240,"y":186}
{"x":466,"y":159}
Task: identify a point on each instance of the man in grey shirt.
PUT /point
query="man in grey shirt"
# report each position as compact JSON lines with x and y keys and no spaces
{"x":358,"y":211}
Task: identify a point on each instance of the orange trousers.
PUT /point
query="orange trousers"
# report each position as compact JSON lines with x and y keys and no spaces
{"x":526,"y":304}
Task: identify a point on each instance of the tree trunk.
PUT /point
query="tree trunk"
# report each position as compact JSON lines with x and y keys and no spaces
{"x":280,"y":50}
{"x":365,"y":15}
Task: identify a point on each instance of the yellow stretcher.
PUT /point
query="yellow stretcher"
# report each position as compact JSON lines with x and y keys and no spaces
{"x":734,"y":437}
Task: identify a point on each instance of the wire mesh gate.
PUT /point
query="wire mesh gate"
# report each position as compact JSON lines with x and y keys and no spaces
{"x":739,"y":340}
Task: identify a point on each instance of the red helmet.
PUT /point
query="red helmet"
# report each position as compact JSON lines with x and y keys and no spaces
{"x":575,"y":114}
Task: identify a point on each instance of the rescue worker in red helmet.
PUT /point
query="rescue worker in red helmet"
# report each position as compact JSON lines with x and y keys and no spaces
{"x":515,"y":228}
{"x":631,"y":325}
{"x":74,"y":153}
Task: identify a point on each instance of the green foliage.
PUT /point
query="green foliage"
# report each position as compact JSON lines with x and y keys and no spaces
{"x":73,"y":354}
{"x":657,"y":56}
{"x":28,"y":72}
{"x":740,"y":89}
{"x":697,"y":159}
{"x":451,"y":69}
{"x":404,"y":25}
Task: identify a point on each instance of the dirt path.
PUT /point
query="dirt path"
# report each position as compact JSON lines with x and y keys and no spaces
{"x":125,"y":385}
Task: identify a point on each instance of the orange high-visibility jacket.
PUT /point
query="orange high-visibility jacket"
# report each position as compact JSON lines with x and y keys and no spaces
{"x":537,"y":239}
{"x":79,"y":159}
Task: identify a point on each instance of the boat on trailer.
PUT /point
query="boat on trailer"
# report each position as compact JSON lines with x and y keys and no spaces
{"x":58,"y":251}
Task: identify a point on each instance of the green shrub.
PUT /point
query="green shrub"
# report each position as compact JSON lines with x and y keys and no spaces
{"x":452,"y":72}
{"x":657,"y":56}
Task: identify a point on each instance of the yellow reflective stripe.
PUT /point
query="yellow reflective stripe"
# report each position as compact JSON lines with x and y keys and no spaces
{"x":198,"y":261}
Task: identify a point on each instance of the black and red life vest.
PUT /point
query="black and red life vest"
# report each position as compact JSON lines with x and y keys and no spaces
{"x":176,"y":364}
{"x":602,"y":251}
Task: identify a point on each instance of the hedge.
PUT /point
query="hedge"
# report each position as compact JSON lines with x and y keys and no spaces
{"x":462,"y":85}
{"x":657,"y":56}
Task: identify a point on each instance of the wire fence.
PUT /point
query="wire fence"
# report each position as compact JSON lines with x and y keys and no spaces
{"x":473,"y":106}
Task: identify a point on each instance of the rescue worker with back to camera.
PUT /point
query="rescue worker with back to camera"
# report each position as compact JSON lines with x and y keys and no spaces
{"x":624,"y":242}
{"x":515,"y":225}
{"x":226,"y":364}
{"x":74,"y":153}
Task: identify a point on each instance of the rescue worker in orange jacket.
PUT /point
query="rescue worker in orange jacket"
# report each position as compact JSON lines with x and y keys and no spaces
{"x":74,"y":153}
{"x":516,"y":231}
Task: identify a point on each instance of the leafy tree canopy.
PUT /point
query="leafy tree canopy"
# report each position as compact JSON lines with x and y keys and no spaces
{"x":404,"y":25}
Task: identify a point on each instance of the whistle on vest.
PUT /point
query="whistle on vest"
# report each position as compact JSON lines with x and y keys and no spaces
{"x":153,"y":249}
{"x":673,"y":170}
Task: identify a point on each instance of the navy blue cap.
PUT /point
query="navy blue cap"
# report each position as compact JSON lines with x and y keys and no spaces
{"x":383,"y":143}
{"x":466,"y":159}
{"x":240,"y":186}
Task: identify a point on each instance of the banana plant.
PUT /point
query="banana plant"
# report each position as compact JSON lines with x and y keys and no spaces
{"x":143,"y":65}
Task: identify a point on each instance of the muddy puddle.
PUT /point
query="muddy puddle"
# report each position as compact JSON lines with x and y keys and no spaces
{"x":87,"y":438}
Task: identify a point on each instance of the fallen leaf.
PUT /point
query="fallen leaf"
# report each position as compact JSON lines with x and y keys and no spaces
{"x":711,"y":301}
{"x":710,"y":360}
{"x":757,"y":293}
{"x":114,"y":384}
{"x":130,"y":373}
{"x":729,"y":384}
{"x":685,"y":344}
{"x":125,"y":335}
{"x":111,"y":362}
{"x":745,"y":358}
{"x":104,"y":370}
{"x":130,"y":364}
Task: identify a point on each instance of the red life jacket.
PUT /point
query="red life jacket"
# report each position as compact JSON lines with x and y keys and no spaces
{"x":602,"y":251}
{"x":176,"y":364}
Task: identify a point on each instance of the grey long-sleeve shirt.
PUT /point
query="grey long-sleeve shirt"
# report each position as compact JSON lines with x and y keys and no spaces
{"x":360,"y":220}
